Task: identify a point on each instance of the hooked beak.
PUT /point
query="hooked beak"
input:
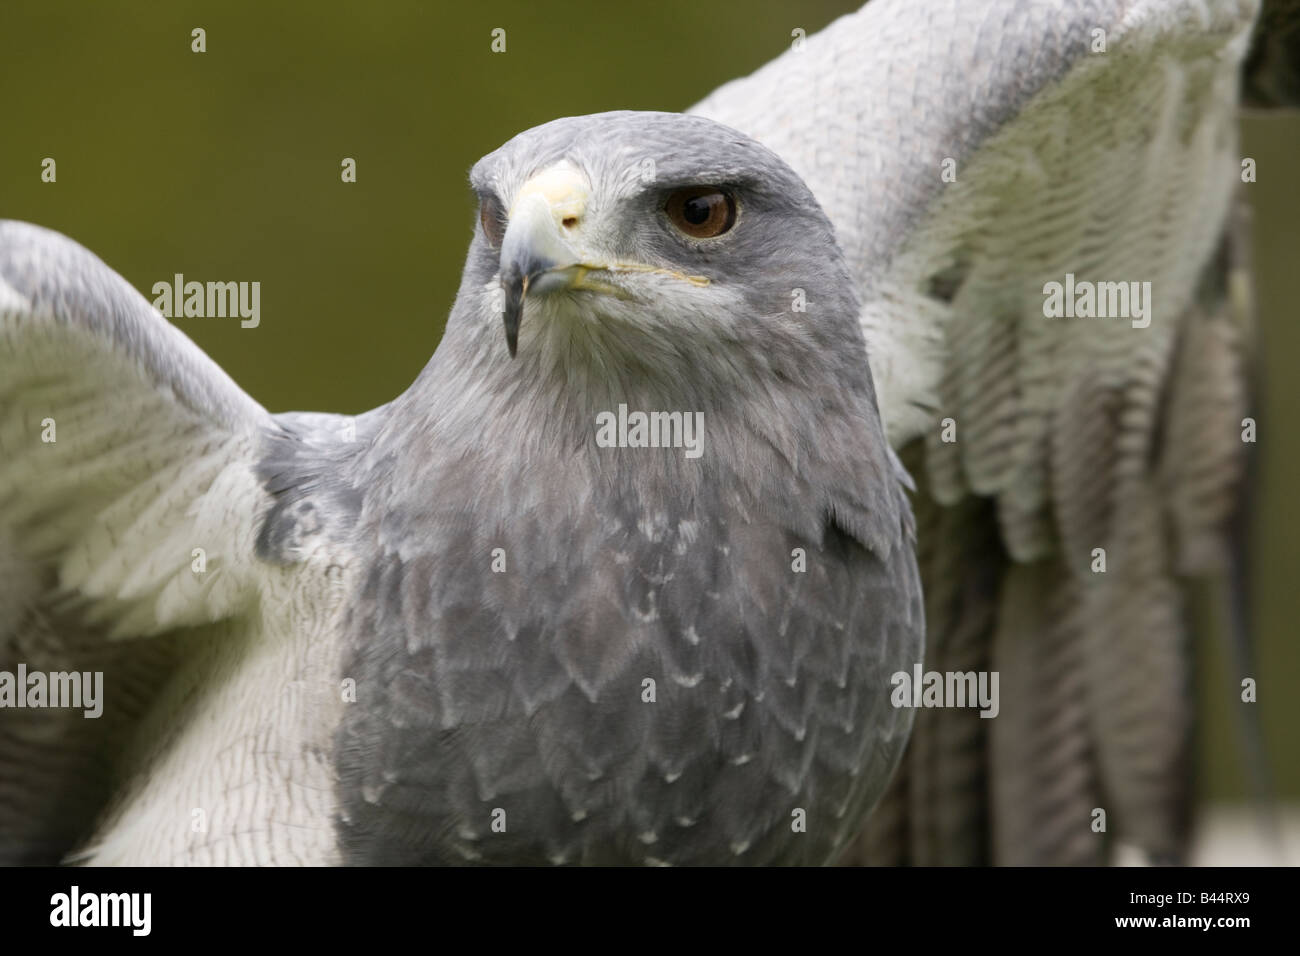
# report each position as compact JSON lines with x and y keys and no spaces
{"x":536,"y":253}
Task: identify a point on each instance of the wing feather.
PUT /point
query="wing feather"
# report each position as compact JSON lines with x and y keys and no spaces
{"x":970,"y":153}
{"x":124,"y":453}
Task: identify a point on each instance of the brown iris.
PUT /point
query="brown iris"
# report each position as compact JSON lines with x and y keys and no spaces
{"x":493,"y":220}
{"x":701,"y":212}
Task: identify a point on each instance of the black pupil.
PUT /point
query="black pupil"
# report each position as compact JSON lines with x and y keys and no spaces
{"x":696,"y":211}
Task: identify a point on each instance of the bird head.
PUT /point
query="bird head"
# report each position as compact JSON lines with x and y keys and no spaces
{"x":653,"y":235}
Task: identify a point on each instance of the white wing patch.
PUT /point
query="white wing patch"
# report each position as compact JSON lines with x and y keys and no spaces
{"x":130,"y":508}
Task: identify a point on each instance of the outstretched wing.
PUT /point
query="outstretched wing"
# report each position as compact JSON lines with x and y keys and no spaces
{"x":127,"y":509}
{"x":971,"y":152}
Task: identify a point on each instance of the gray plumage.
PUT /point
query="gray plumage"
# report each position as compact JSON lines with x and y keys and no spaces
{"x":1096,"y":138}
{"x":363,"y":551}
{"x":523,"y":690}
{"x":1114,"y":165}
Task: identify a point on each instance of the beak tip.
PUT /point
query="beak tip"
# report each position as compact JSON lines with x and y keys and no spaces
{"x":511,"y":323}
{"x":516,"y":291}
{"x":510,"y":319}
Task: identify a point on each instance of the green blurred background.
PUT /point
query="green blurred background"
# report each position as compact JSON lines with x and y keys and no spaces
{"x":225,"y":166}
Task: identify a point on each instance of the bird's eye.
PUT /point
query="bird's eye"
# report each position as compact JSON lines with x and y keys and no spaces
{"x":701,"y":212}
{"x":493,"y":220}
